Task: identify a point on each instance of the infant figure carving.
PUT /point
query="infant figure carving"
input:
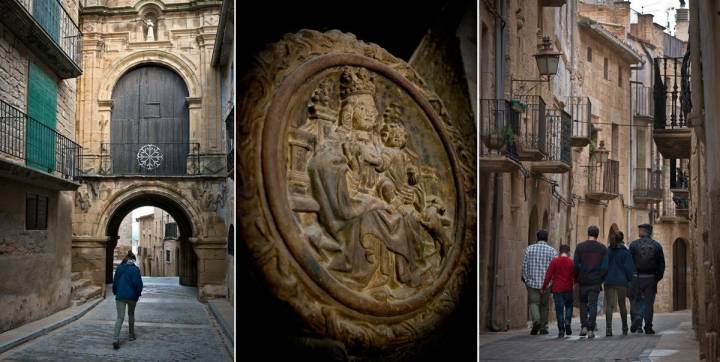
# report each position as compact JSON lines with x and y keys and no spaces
{"x":379,"y":234}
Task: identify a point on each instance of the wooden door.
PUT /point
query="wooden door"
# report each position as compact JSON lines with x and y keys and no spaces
{"x":149,"y":127}
{"x":679,"y":275}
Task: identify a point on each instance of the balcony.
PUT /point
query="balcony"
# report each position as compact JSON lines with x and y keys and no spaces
{"x":581,"y":115}
{"x":48,"y":30}
{"x":648,"y":186}
{"x":671,"y":95}
{"x":602,"y":180}
{"x":497,"y":124}
{"x":642,"y":102}
{"x":34,"y":153}
{"x":143,"y":159}
{"x":530,"y":135}
{"x":558,"y":130}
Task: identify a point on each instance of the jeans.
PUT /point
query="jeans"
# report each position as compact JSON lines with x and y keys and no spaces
{"x":120,"y":305}
{"x":644,"y":290}
{"x":563,"y":309}
{"x":588,"y":305}
{"x":615,"y":295}
{"x":538,"y":304}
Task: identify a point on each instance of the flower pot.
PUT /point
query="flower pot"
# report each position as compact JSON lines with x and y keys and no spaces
{"x":494,"y":141}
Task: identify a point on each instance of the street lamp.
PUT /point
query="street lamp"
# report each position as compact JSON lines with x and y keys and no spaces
{"x":547,"y":59}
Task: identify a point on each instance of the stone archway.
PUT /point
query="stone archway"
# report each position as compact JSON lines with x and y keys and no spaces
{"x":187,"y":261}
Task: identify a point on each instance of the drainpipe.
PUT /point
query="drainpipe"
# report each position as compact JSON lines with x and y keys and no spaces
{"x":633,"y":152}
{"x":497,"y":210}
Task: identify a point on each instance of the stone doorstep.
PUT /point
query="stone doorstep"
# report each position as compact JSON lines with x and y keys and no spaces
{"x":222,"y":310}
{"x":15,"y":337}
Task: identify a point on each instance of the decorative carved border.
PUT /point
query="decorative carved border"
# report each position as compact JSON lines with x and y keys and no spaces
{"x":283,"y":275}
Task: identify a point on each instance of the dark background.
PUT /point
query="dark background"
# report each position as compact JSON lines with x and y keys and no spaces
{"x":266,"y":327}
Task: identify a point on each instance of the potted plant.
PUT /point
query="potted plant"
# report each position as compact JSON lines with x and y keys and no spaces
{"x":495,"y":138}
{"x":518,"y":106}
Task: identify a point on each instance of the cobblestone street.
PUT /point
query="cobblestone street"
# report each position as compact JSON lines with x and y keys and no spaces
{"x":170,"y":325}
{"x":674,"y":341}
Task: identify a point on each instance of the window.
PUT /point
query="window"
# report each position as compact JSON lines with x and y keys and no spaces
{"x":36,"y":210}
{"x":589,"y":55}
{"x":167,"y":256}
{"x":620,"y":77}
{"x":615,"y":142}
{"x":605,"y":68}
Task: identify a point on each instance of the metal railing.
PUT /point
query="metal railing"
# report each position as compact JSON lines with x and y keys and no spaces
{"x":671,"y":92}
{"x":531,"y":127}
{"x":603,"y":177}
{"x":58,"y":25}
{"x":581,"y":114}
{"x":498,"y":125}
{"x":642,"y":99}
{"x":24,"y":139}
{"x":150,"y":158}
{"x":558,"y":136}
{"x":648,"y":183}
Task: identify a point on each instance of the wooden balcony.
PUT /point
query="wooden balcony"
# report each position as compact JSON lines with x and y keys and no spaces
{"x":602,"y":180}
{"x":558,"y":157}
{"x":497,"y":136}
{"x":581,"y":115}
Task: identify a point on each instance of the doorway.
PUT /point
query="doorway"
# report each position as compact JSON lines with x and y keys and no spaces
{"x":680,"y":274}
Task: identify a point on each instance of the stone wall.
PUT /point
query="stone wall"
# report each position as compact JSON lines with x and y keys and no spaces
{"x":35,"y":263}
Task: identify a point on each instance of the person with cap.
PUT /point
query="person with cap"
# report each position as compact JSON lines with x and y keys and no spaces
{"x":535,"y":263}
{"x":591,"y":265}
{"x":127,"y":288}
{"x":649,"y":262}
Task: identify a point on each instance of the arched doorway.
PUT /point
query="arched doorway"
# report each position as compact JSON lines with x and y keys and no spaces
{"x":533,"y":228}
{"x":186,"y":260}
{"x":679,"y":274}
{"x":149,"y":127}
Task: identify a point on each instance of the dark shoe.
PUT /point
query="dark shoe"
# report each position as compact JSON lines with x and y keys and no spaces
{"x":561,"y":334}
{"x":634,"y":329}
{"x":132,"y":336}
{"x":591,"y":334}
{"x":544,"y":331}
{"x":534,"y":331}
{"x":625,"y":330}
{"x":568,"y":331}
{"x":583,"y":332}
{"x":116,"y":345}
{"x":608,"y":333}
{"x":649,"y":331}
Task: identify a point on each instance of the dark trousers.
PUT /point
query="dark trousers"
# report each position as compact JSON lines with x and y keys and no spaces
{"x":588,"y":305}
{"x":644,"y":290}
{"x":615,"y":295}
{"x":563,"y":309}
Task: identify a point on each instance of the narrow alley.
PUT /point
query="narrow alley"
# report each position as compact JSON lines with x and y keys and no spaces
{"x":170,"y":325}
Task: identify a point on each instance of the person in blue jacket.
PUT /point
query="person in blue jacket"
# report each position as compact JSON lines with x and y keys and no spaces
{"x":621,"y":269}
{"x":127,"y":287}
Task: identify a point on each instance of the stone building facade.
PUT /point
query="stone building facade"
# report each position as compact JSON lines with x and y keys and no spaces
{"x":158,"y":248}
{"x":179,"y":162}
{"x":39,"y":62}
{"x":125,"y":241}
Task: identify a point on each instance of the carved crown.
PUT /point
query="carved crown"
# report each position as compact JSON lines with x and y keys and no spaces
{"x":354,"y":81}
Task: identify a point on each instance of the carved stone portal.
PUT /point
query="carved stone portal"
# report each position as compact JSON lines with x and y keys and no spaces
{"x":356,"y":205}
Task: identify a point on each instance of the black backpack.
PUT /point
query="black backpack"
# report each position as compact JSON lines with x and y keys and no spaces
{"x":646,"y":256}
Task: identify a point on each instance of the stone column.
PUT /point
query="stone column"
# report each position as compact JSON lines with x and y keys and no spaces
{"x":211,"y":267}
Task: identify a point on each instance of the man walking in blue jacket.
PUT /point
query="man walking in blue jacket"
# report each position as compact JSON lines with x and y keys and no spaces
{"x":127,"y":287}
{"x":650,"y":265}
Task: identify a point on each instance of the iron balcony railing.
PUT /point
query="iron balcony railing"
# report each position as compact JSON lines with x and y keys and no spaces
{"x":642,"y":99}
{"x":498,"y":125}
{"x":648,"y":183}
{"x":58,"y":25}
{"x":671,"y":92}
{"x":603,"y":177}
{"x":24,"y":139}
{"x":580,"y":109}
{"x":558,"y":136}
{"x":679,"y":179}
{"x":531,"y":127}
{"x":148,"y":159}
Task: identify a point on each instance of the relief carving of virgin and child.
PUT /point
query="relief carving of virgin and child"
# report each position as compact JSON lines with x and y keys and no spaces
{"x":392,"y":231}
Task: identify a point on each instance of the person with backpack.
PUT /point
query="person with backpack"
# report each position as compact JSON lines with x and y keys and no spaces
{"x":127,"y":288}
{"x":621,"y":269}
{"x":535,"y":262}
{"x":591,"y":265}
{"x":649,"y":262}
{"x":561,"y":273}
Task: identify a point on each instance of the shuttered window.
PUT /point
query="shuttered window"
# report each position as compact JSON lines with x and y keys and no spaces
{"x":36,"y":212}
{"x":42,"y":108}
{"x":47,"y":13}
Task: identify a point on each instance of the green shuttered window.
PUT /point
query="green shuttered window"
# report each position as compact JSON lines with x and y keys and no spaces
{"x":47,"y":13}
{"x":42,"y":107}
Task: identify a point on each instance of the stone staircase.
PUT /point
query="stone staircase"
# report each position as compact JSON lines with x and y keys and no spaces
{"x":82,"y":290}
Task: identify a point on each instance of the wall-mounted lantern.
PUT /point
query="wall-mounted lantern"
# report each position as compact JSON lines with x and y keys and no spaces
{"x":547,"y":59}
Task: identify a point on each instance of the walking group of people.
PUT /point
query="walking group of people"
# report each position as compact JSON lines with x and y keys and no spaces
{"x":625,"y":272}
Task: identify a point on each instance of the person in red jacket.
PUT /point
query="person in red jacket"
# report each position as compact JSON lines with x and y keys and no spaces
{"x":561,"y":275}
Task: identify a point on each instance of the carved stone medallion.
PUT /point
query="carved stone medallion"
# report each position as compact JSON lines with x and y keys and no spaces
{"x":350,"y":192}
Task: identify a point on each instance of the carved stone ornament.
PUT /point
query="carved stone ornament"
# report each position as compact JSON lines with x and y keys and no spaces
{"x":350,"y":191}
